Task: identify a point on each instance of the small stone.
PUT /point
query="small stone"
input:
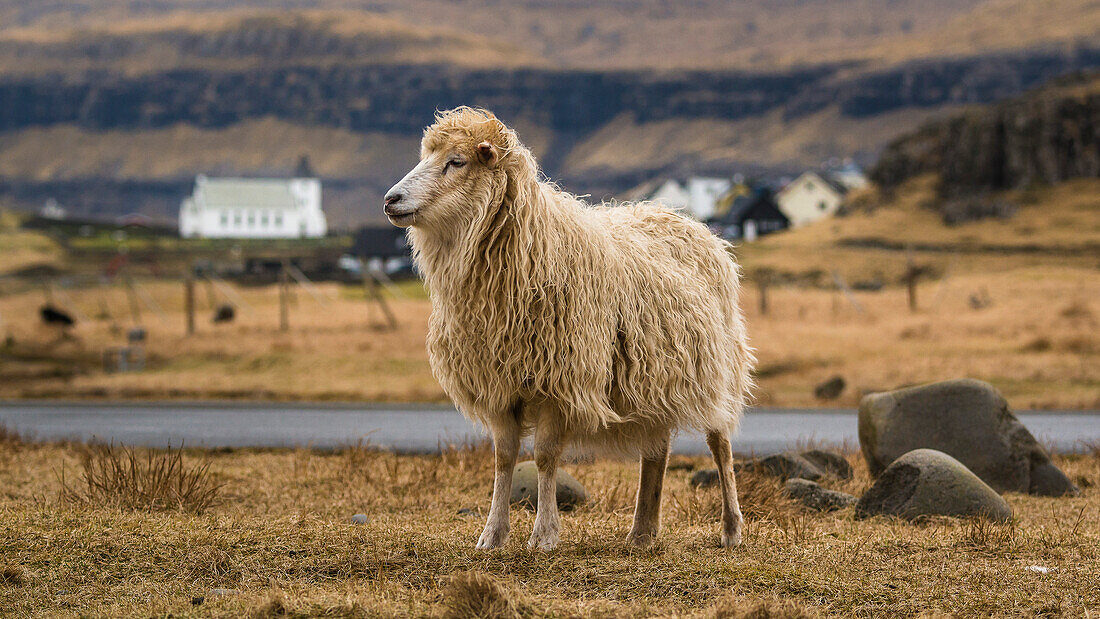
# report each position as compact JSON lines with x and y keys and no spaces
{"x":359,"y":519}
{"x":197,"y":600}
{"x":525,"y":487}
{"x":787,"y":466}
{"x":815,"y":497}
{"x":830,"y":389}
{"x":468,"y":511}
{"x":705,"y":478}
{"x":829,"y":462}
{"x":926,"y":482}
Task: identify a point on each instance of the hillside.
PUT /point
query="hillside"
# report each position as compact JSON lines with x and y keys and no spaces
{"x":115,"y":106}
{"x":645,"y":34}
{"x":1043,"y":137}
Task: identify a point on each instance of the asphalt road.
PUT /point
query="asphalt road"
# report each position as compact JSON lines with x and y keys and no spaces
{"x":425,"y":428}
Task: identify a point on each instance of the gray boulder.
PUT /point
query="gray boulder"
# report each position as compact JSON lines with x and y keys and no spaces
{"x":525,"y":487}
{"x":815,"y":497}
{"x":705,"y":478}
{"x":926,"y":482}
{"x":967,"y":419}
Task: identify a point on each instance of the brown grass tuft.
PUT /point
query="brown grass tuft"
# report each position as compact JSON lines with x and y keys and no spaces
{"x":9,"y":438}
{"x":984,"y":534}
{"x":119,"y":477}
{"x":210,"y":563}
{"x":13,"y":576}
{"x":476,"y":595}
{"x":769,"y":609}
{"x":274,"y":607}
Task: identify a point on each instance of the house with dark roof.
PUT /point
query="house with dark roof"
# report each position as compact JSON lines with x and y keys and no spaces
{"x":750,"y":217}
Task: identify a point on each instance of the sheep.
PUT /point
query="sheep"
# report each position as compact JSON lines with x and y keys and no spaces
{"x":604,"y":328}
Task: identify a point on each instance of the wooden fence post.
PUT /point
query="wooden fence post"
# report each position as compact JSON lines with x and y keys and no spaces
{"x":189,"y":302}
{"x":284,"y":285}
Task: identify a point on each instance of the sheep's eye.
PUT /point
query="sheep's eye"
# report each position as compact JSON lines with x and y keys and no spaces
{"x":453,"y":163}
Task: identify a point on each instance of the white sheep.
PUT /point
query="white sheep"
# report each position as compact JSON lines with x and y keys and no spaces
{"x":605,"y":327}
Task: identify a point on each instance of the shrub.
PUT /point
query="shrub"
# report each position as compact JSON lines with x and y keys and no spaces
{"x":120,"y":477}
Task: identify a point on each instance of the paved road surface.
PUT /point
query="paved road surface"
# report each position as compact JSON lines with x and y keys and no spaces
{"x":424,"y":428}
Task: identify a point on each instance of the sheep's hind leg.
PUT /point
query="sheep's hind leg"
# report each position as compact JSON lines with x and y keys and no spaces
{"x":548,"y":448}
{"x":647,"y":510}
{"x":732,"y":521}
{"x":506,"y":439}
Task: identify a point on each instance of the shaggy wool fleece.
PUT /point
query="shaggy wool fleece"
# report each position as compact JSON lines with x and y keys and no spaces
{"x":623,"y":318}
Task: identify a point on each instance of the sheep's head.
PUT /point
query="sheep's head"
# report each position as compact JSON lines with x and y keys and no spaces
{"x":461,"y":175}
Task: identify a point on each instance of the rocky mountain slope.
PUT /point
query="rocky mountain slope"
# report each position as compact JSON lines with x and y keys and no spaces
{"x":1044,"y":137}
{"x":113,"y":107}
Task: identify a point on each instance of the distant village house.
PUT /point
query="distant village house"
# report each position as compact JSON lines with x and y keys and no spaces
{"x":810,"y":197}
{"x":697,"y":196}
{"x":750,"y":217}
{"x":259,"y":208}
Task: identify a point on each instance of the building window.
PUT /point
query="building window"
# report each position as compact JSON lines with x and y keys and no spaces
{"x":252,"y":220}
{"x":224,"y":219}
{"x":237,"y":219}
{"x":278,"y":220}
{"x":263,"y":220}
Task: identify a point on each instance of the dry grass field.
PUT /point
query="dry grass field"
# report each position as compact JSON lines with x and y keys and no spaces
{"x":278,"y":536}
{"x":1015,"y":303}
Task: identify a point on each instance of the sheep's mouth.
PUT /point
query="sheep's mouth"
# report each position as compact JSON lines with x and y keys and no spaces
{"x":401,"y":219}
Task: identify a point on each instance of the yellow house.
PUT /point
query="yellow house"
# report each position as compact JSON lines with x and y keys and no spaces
{"x":808,"y":198}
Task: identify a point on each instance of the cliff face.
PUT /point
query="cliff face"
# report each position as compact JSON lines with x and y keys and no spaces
{"x":1043,"y":137}
{"x":403,"y":98}
{"x":567,"y":106}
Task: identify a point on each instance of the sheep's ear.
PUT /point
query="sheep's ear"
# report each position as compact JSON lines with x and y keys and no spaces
{"x":487,"y":153}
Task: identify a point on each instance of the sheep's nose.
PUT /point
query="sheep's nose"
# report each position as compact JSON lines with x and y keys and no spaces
{"x":393,"y":197}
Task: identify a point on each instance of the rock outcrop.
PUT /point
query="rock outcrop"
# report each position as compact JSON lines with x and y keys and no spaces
{"x":966,"y":419}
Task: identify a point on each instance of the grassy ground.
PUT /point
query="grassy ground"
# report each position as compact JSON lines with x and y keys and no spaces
{"x":280,"y":536}
{"x":1012,"y":302}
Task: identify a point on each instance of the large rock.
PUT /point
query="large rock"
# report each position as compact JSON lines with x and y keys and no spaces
{"x":967,"y":419}
{"x":525,"y":487}
{"x":816,"y":497}
{"x":926,"y":482}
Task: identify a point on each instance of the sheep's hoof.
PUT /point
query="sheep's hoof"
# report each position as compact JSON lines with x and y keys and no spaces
{"x":544,"y":542}
{"x":492,"y":538}
{"x":641,"y":540}
{"x":732,"y":539}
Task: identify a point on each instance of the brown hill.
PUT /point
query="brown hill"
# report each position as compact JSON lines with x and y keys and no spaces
{"x":618,"y":34}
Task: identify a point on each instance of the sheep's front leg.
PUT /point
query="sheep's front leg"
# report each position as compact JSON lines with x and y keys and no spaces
{"x":548,"y":448}
{"x":506,"y":439}
{"x":732,"y":521}
{"x":647,"y":510}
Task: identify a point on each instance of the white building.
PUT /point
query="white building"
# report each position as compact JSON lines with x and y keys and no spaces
{"x":253,"y":208}
{"x":698,"y":196}
{"x":808,"y":198}
{"x":850,"y":176}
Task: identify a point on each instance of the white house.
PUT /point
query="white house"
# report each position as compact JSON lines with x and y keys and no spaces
{"x":697,"y":196}
{"x":253,"y":208}
{"x":808,"y":198}
{"x":850,"y":175}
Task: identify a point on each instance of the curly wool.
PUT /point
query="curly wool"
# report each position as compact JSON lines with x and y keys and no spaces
{"x":622,"y":318}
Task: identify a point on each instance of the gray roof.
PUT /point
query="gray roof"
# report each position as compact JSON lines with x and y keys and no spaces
{"x":272,"y":193}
